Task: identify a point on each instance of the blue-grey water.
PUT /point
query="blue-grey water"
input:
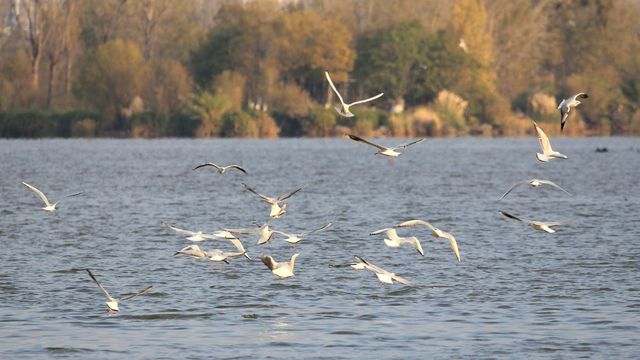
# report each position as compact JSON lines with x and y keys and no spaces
{"x":517,"y":293}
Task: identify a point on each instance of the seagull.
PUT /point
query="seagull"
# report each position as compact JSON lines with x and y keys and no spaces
{"x":282,"y":270}
{"x":48,"y":206}
{"x":195,"y":235}
{"x":343,"y":109}
{"x":384,"y":276}
{"x":293,"y":239}
{"x":387,"y":151}
{"x":218,"y":255}
{"x":538,"y":225}
{"x":566,"y":105}
{"x":112,"y":303}
{"x":547,"y":152}
{"x":437,"y":233}
{"x":395,"y":241}
{"x":193,"y":251}
{"x":276,"y":210}
{"x":221,"y":169}
{"x":534,"y":183}
{"x":266,"y":234}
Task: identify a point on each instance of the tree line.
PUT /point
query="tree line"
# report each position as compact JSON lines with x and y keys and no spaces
{"x":151,"y":68}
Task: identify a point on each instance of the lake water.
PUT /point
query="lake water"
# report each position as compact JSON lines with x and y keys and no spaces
{"x":517,"y":292}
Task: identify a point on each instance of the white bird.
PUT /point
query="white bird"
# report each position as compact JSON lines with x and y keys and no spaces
{"x":266,"y":234}
{"x":221,"y":169}
{"x":193,"y":251}
{"x":48,"y":206}
{"x":277,"y":210}
{"x":534,"y":183}
{"x":343,"y":109}
{"x":112,"y":303}
{"x":538,"y":225}
{"x":384,"y":276}
{"x":566,"y":105}
{"x":437,"y":233}
{"x":293,"y":239}
{"x":547,"y":152}
{"x":282,"y":270}
{"x":387,"y":151}
{"x":218,"y":255}
{"x":195,"y":235}
{"x":395,"y":241}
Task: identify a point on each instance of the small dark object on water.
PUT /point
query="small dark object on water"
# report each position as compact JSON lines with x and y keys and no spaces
{"x":602,"y":150}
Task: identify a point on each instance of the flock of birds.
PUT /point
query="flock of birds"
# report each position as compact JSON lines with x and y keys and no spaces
{"x":277,"y":209}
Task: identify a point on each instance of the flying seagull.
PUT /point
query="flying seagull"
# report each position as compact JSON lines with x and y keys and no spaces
{"x":534,"y":183}
{"x":384,"y":276}
{"x":218,"y":255}
{"x":437,"y":233}
{"x":48,"y":206}
{"x":282,"y":270}
{"x":293,"y":239}
{"x":547,"y":152}
{"x":276,"y":210}
{"x":343,"y":109}
{"x":538,"y":225}
{"x":566,"y":105}
{"x":387,"y":151}
{"x":395,"y":241}
{"x":112,"y":303}
{"x":195,"y":235}
{"x":221,"y":169}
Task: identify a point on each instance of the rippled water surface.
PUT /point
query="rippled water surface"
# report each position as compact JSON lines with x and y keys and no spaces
{"x":517,"y":292}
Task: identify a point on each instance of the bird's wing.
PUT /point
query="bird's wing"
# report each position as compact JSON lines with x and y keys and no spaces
{"x":182,"y":231}
{"x":580,"y":96}
{"x":138,"y":293}
{"x":561,"y":104}
{"x":563,"y":119}
{"x":281,"y":233}
{"x":236,"y":242}
{"x":265,"y":198}
{"x":416,"y":243}
{"x":285,"y":197}
{"x":454,"y":244}
{"x":365,"y":100}
{"x":40,"y":193}
{"x":544,"y":140}
{"x":401,"y":280}
{"x":333,"y":87}
{"x":415,"y":223}
{"x":357,"y":138}
{"x":511,"y":216}
{"x":268,"y":260}
{"x":249,"y":231}
{"x":207,"y":164}
{"x":402,"y":146}
{"x":551,"y":183}
{"x":324,"y":227}
{"x":372,"y":267}
{"x":385,"y":230}
{"x":513,"y":187}
{"x":68,"y":196}
{"x":106,"y":293}
{"x":237,"y":167}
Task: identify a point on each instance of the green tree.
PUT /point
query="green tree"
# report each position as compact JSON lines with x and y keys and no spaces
{"x":112,"y":78}
{"x":388,"y":59}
